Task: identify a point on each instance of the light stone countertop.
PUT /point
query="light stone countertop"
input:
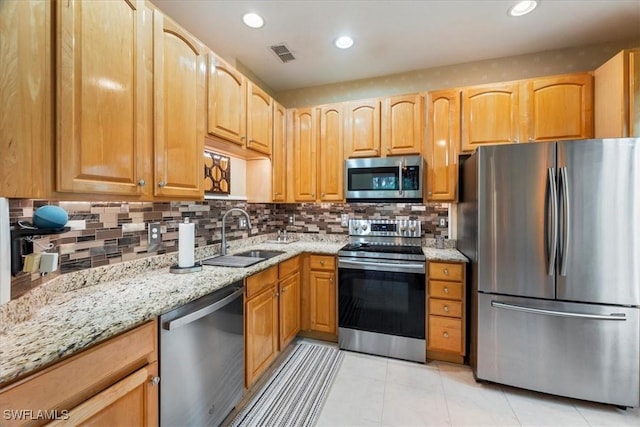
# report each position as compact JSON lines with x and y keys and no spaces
{"x":77,"y":310}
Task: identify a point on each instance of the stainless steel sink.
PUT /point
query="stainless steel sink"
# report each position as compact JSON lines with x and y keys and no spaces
{"x":243,"y":259}
{"x":258,"y":253}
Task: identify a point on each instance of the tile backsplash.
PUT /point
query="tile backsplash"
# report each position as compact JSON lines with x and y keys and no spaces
{"x":117,"y":231}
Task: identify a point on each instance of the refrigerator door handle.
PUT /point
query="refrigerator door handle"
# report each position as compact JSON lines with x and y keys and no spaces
{"x":515,"y":307}
{"x":553,"y":192}
{"x":566,"y":226}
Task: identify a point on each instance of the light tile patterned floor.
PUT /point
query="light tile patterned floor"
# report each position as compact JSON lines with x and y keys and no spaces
{"x":376,"y":391}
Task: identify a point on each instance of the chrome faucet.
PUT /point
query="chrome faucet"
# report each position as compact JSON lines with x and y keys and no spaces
{"x":223,"y":244}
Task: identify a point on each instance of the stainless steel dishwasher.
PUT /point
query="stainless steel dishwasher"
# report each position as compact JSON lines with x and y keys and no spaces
{"x":202,"y":359}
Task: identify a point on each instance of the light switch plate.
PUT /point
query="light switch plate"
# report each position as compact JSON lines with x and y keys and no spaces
{"x":344,"y":220}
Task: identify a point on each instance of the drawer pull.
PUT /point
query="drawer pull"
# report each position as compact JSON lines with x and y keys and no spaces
{"x":321,"y":262}
{"x":445,"y":334}
{"x":446,"y":308}
{"x":446,"y":290}
{"x":446,"y":271}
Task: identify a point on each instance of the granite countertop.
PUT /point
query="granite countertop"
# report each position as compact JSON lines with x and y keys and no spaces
{"x":77,"y":310}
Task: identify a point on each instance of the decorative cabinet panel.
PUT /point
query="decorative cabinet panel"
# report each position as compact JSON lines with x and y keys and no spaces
{"x":442,"y":145}
{"x":27,"y":120}
{"x":330,"y":158}
{"x":559,"y":107}
{"x":305,"y":139}
{"x":362,"y":128}
{"x":446,"y":308}
{"x":227,"y":95}
{"x":279,"y":154}
{"x":402,"y":123}
{"x":490,"y":115}
{"x":259,"y":119}
{"x":179,"y":68}
{"x":617,"y":96}
{"x":104,"y":95}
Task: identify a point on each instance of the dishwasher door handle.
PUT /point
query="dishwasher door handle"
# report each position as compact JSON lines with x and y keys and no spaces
{"x":205,"y":311}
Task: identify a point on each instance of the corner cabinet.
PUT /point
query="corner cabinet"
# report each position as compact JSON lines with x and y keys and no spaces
{"x":104,"y":85}
{"x":617,"y":96}
{"x":446,"y":311}
{"x":279,"y":154}
{"x":442,"y":145}
{"x":179,"y":68}
{"x":123,"y":391}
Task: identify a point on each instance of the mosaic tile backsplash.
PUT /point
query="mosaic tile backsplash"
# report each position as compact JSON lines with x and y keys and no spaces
{"x":117,"y":231}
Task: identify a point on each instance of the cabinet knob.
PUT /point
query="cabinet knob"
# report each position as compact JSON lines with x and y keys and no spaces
{"x":141,"y":182}
{"x":445,"y":334}
{"x":388,"y":150}
{"x":515,"y":140}
{"x":322,"y":194}
{"x":446,"y":290}
{"x":276,"y":294}
{"x":375,"y":151}
{"x":242,"y":138}
{"x":284,"y":289}
{"x":331,"y":280}
{"x":429,"y":193}
{"x":154,"y":380}
{"x":446,"y":271}
{"x":446,"y":308}
{"x":313,"y":194}
{"x":162,"y":184}
{"x":321,"y":262}
{"x":530,"y":139}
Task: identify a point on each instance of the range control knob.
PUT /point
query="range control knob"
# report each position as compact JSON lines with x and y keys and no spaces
{"x":402,"y":228}
{"x":364,"y":227}
{"x":412,"y":228}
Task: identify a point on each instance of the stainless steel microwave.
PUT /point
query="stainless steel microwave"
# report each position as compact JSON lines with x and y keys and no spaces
{"x":384,"y":179}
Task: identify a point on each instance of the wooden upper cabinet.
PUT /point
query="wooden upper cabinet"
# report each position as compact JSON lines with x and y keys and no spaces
{"x":402,"y":124}
{"x":362,"y":128}
{"x":26,"y":121}
{"x":617,"y":96}
{"x":305,"y":130}
{"x":490,"y":115}
{"x":279,"y":154}
{"x":558,"y":107}
{"x":442,"y":145}
{"x":104,"y":95}
{"x":227,"y":96}
{"x":179,"y":69}
{"x":330,"y":159}
{"x":259,"y":119}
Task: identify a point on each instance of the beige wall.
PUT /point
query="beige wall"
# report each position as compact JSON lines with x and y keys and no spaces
{"x":586,"y":58}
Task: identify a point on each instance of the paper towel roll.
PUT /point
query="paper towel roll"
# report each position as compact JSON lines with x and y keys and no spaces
{"x":186,"y":243}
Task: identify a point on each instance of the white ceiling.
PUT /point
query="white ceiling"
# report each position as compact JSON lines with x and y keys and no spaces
{"x":393,"y":36}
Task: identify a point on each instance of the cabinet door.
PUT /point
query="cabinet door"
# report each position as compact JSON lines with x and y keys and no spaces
{"x":362,"y":128}
{"x":132,"y":401}
{"x":322,"y":289}
{"x":103,"y":97}
{"x":559,"y":107}
{"x":402,"y":125}
{"x":305,"y":130}
{"x":227,"y":97}
{"x":442,"y":145}
{"x":490,"y":115}
{"x":279,"y":155}
{"x":261,"y":334}
{"x":259,"y":119}
{"x":330,"y":161}
{"x":26,"y":122}
{"x":179,"y":111}
{"x":289,"y":299}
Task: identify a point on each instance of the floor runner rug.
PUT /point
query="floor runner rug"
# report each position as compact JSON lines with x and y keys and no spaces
{"x":295,"y":393}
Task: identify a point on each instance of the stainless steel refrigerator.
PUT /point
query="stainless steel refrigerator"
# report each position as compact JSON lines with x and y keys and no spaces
{"x":553,"y":234}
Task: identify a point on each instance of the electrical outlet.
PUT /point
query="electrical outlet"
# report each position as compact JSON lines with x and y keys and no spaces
{"x":242,"y":222}
{"x":292,"y":219}
{"x":155,"y":237}
{"x":344,"y":220}
{"x":442,"y":222}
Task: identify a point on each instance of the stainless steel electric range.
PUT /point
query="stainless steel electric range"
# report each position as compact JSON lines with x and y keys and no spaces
{"x":381,"y":289}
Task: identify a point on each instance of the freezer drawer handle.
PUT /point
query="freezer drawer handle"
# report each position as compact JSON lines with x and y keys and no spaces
{"x":198,"y":314}
{"x":612,"y":316}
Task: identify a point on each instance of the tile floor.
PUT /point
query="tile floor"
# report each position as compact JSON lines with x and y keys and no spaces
{"x":376,"y":391}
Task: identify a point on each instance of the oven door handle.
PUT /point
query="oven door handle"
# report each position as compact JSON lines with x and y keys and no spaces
{"x":382,"y":266}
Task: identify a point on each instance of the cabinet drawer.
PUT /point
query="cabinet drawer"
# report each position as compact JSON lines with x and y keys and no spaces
{"x":446,"y":290}
{"x":288,"y":267}
{"x":260,"y":281}
{"x":445,"y":271}
{"x":445,"y":334}
{"x":322,"y":262}
{"x":443,"y":307}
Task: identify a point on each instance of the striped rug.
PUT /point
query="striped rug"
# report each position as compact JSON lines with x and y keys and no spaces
{"x":296,"y":391}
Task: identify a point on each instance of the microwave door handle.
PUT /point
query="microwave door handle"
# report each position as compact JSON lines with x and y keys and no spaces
{"x":400,"y":176}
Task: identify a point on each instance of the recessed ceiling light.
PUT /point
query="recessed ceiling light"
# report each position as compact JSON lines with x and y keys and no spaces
{"x":343,"y":42}
{"x":522,"y":8}
{"x":253,"y":20}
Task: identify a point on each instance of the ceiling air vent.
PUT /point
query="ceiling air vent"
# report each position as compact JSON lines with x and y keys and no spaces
{"x":283,"y":52}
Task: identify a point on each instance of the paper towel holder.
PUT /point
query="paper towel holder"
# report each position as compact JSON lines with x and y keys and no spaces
{"x":190,"y":269}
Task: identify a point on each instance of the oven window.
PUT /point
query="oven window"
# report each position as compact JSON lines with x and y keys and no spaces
{"x":383,"y":302}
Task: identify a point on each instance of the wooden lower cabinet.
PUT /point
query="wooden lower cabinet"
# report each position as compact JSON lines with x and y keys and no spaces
{"x":109,"y":384}
{"x":319,"y":299}
{"x":446,"y":306}
{"x":289,"y":301}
